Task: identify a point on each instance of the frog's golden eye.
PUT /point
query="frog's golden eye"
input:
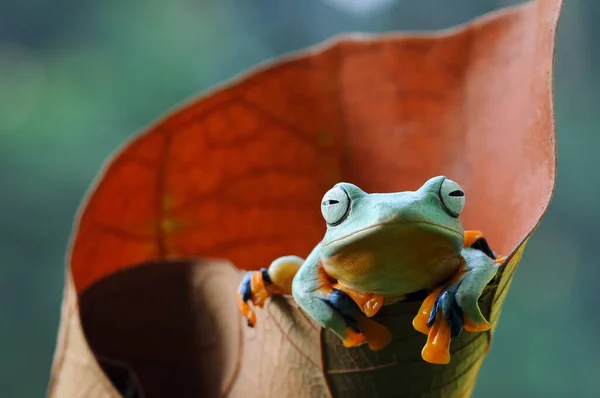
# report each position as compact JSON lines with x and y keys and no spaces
{"x":335,"y":205}
{"x":452,"y":197}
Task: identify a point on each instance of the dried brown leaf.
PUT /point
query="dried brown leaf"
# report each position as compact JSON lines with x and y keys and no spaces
{"x":236,"y":175}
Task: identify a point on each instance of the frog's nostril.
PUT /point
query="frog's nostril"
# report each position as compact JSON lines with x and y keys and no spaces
{"x":458,"y":192}
{"x":330,"y":202}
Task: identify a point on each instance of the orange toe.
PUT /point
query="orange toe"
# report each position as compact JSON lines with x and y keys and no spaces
{"x":471,"y":326}
{"x":420,"y":320}
{"x":259,"y":291}
{"x":372,"y":305}
{"x":369,"y":303}
{"x":246,"y":311}
{"x":437,"y":348}
{"x":353,"y":339}
{"x":420,"y":323}
{"x":377,"y":335}
{"x":471,"y":237}
{"x":499,"y":260}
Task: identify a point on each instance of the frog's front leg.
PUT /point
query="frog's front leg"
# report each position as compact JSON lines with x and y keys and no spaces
{"x":333,"y":309}
{"x":446,"y":310}
{"x":257,"y":286}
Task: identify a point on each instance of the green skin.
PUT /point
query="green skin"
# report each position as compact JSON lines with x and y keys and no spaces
{"x":391,"y":244}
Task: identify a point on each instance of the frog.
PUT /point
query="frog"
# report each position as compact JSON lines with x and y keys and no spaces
{"x":379,"y":249}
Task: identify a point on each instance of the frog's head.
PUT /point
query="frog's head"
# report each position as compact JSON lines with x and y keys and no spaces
{"x":380,"y":220}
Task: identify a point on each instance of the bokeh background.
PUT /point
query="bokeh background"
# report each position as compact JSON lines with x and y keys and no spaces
{"x":77,"y":79}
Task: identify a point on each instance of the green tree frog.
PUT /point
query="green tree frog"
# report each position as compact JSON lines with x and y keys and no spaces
{"x":377,"y":249}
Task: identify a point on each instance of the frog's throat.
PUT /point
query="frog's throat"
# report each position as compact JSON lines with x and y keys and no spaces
{"x":371,"y":228}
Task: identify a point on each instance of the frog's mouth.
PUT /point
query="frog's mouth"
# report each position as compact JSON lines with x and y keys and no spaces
{"x":386,"y":225}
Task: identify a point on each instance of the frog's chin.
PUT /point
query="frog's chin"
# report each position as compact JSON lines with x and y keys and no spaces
{"x":381,"y":227}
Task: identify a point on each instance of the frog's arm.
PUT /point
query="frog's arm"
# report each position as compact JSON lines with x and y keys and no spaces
{"x":314,"y":291}
{"x":322,"y":298}
{"x":446,"y":310}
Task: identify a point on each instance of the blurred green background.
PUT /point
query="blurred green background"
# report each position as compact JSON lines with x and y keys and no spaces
{"x":77,"y":79}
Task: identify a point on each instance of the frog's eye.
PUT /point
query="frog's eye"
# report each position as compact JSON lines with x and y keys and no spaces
{"x":335,"y":205}
{"x":452,"y":197}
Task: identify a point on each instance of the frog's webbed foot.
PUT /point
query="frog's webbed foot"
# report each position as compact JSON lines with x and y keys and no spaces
{"x":441,"y":318}
{"x":257,"y":286}
{"x":452,"y":307}
{"x":347,"y":309}
{"x":358,"y":328}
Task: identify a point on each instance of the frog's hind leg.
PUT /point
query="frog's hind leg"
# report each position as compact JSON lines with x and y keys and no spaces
{"x":257,"y":286}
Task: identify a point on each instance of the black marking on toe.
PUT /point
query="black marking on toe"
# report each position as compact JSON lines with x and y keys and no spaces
{"x":249,"y":323}
{"x":447,"y":304}
{"x":265,"y":275}
{"x":341,"y":303}
{"x":245,"y":289}
{"x":434,"y":310}
{"x":481,"y":244}
{"x":458,"y":193}
{"x":330,"y":202}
